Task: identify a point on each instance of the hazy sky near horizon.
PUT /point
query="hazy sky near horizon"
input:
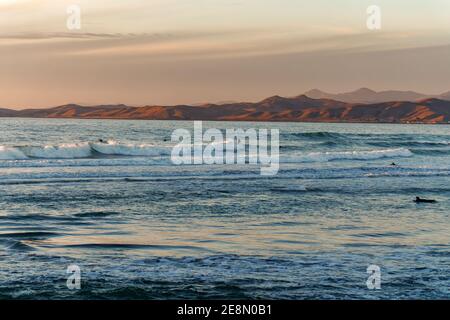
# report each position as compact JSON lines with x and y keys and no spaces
{"x":141,"y":52}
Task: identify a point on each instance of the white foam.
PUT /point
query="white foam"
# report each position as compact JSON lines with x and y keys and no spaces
{"x":10,"y":153}
{"x":63,"y":151}
{"x":115,"y":148}
{"x":80,"y":151}
{"x":348,"y":155}
{"x":442,"y":142}
{"x":89,"y":149}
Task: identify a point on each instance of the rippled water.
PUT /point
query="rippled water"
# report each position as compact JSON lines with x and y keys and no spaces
{"x":142,"y":228}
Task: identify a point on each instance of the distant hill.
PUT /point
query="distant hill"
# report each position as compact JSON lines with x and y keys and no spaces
{"x":297,"y":109}
{"x":365,"y":95}
{"x":445,"y":96}
{"x":7,"y":112}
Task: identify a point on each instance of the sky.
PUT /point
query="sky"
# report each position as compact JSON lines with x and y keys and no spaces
{"x":165,"y":52}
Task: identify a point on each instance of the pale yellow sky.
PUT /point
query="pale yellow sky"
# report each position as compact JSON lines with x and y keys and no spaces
{"x":141,"y":52}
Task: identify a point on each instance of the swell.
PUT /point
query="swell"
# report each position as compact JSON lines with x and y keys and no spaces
{"x":291,"y":173}
{"x":347,"y":155}
{"x":29,"y":235}
{"x":332,"y":139}
{"x":318,"y":135}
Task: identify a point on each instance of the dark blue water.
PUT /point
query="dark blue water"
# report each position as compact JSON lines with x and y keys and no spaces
{"x":141,"y":228}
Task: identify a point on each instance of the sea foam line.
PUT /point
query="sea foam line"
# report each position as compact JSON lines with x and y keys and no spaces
{"x":347,"y":155}
{"x":80,"y":150}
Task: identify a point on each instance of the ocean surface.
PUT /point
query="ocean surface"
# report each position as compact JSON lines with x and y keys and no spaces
{"x":140,"y":227}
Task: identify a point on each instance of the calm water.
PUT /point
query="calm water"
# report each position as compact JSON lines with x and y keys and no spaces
{"x":140,"y":227}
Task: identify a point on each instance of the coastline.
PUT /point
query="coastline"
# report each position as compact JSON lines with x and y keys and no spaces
{"x":273,"y":109}
{"x":228,"y":120}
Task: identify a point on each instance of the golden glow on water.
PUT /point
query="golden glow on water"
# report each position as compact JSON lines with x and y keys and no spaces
{"x":265,"y":236}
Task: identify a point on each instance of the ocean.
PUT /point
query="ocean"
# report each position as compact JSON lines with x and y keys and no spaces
{"x":139,"y":227}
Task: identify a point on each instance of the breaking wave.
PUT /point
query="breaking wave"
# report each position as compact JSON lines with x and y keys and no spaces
{"x":9,"y":153}
{"x":64,"y":151}
{"x":348,"y":155}
{"x":81,"y":150}
{"x":113,"y":148}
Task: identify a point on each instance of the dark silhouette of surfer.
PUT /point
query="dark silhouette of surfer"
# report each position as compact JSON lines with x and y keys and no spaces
{"x":101,"y":141}
{"x":420,"y":200}
{"x":393,"y":164}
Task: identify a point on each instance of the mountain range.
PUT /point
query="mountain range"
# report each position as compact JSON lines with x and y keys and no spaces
{"x":365,"y":95}
{"x":295,"y":109}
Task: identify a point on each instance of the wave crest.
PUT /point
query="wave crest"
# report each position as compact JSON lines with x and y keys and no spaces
{"x":80,"y":150}
{"x":115,"y":148}
{"x":9,"y":153}
{"x":64,"y":151}
{"x":348,"y":155}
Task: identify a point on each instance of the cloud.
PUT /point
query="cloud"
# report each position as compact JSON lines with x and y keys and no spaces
{"x":235,"y":44}
{"x":211,"y":45}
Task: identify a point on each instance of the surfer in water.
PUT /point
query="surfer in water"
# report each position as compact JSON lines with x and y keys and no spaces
{"x":420,"y":200}
{"x":102,"y":141}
